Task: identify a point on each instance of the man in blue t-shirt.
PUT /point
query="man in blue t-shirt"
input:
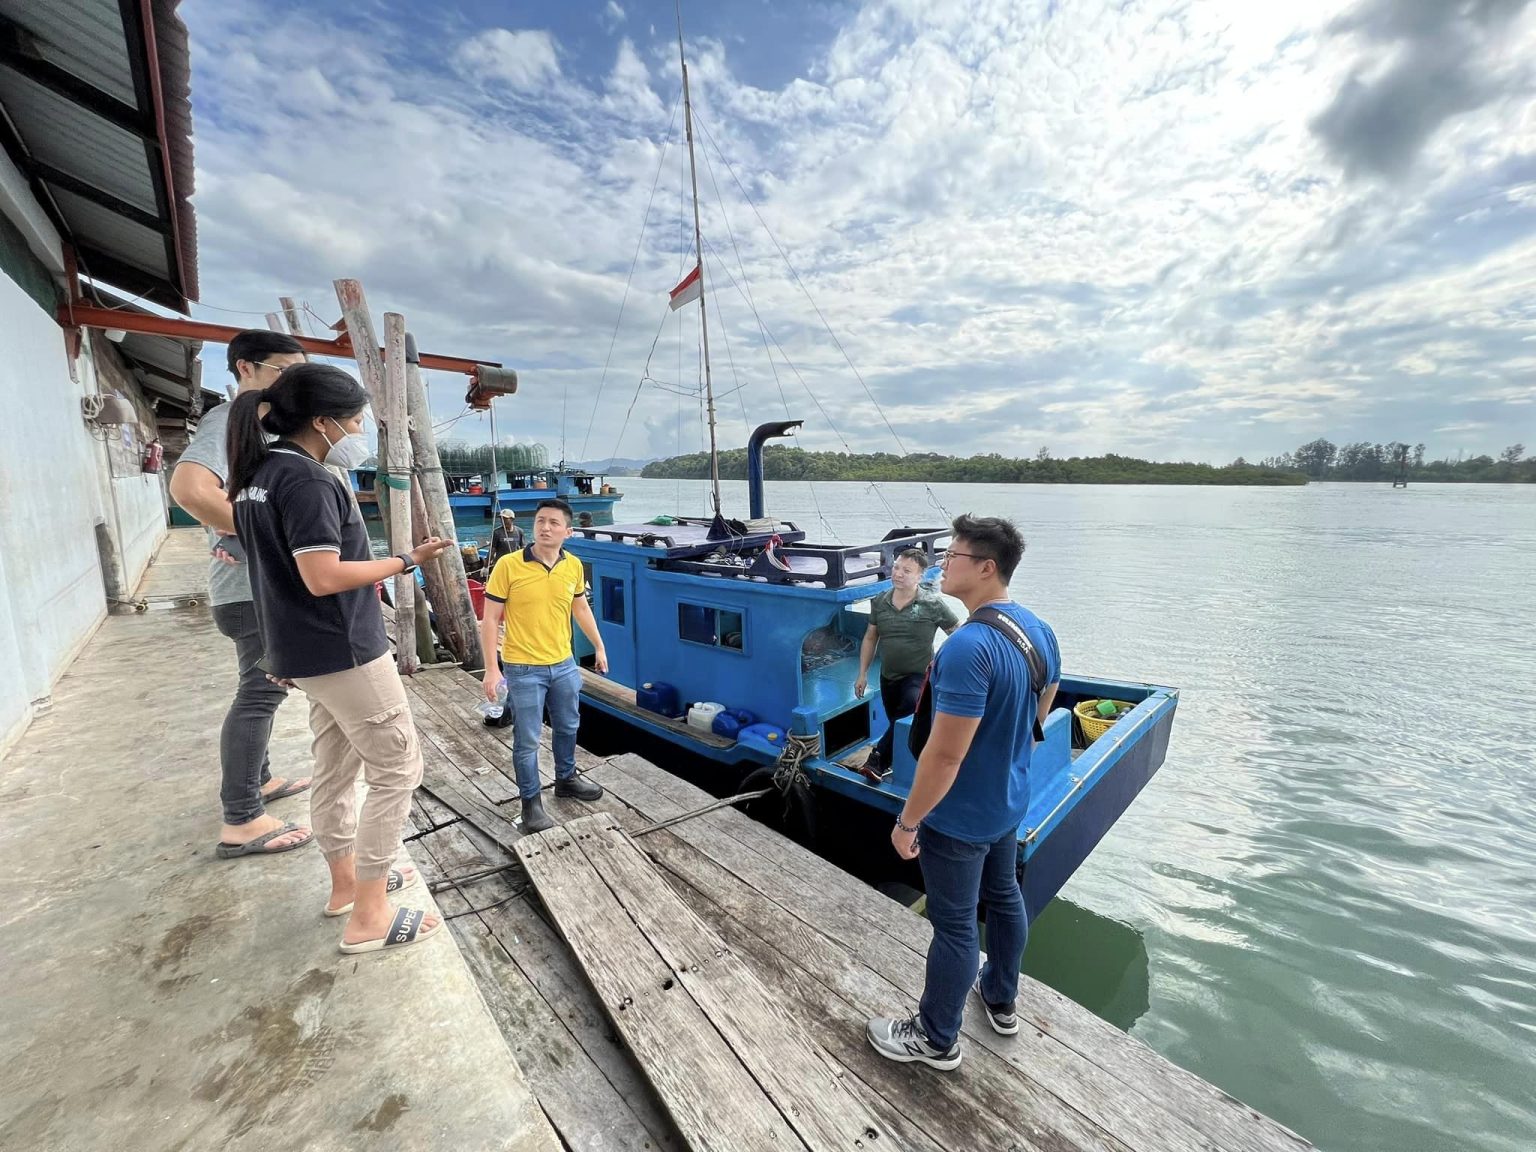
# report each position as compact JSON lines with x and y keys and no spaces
{"x":969,"y":796}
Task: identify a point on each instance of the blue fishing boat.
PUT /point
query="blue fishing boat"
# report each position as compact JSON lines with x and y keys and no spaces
{"x":475,"y":505}
{"x":737,"y":642}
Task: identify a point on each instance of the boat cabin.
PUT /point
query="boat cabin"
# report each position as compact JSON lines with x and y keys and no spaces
{"x":757,"y":620}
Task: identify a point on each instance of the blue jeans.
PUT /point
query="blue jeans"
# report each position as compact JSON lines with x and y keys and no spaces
{"x":530,"y":687}
{"x":957,"y":874}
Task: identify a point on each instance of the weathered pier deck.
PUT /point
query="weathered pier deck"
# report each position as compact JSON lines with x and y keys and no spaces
{"x":830,"y":950}
{"x":160,"y":999}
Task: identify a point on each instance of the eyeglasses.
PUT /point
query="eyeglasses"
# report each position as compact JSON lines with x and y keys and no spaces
{"x":969,"y":555}
{"x":274,"y":367}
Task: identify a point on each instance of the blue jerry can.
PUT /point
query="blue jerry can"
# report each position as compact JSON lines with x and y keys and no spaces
{"x":660,"y":698}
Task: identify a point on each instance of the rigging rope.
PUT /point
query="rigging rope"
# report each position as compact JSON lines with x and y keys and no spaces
{"x":613,"y":340}
{"x":799,"y":283}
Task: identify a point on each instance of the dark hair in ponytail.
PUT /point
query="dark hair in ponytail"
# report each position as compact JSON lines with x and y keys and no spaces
{"x":300,"y":393}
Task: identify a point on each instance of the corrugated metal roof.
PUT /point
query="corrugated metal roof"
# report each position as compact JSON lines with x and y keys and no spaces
{"x":65,"y":136}
{"x":165,"y":361}
{"x":97,"y":92}
{"x":86,"y":39}
{"x":105,"y":231}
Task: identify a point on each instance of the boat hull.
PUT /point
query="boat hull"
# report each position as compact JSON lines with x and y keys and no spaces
{"x":1076,"y":799}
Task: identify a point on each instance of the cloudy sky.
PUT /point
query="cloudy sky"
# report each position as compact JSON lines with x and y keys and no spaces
{"x":1167,"y":228}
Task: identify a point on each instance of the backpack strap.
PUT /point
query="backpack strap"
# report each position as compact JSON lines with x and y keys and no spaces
{"x":1011,"y":628}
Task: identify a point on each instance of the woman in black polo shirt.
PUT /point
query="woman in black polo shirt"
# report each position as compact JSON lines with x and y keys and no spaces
{"x":312,"y":578}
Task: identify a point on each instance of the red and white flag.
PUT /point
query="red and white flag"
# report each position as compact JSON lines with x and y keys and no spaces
{"x":689,"y":289}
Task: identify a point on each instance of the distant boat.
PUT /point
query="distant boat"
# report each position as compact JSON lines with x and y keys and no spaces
{"x":475,"y":506}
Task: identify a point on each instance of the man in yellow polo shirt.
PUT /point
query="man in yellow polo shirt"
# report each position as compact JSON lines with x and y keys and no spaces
{"x":541,"y":590}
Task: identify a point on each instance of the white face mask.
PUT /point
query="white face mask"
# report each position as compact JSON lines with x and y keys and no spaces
{"x":351,"y":451}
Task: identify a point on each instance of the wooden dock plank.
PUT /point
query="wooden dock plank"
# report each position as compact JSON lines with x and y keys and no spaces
{"x":589,"y":1106}
{"x":892,"y":941}
{"x":991,"y":1103}
{"x":709,"y":1094}
{"x":550,"y":969}
{"x":438,"y":718}
{"x":791,"y":1068}
{"x":429,"y":813}
{"x":834,"y":986}
{"x":447,"y":787}
{"x":827,"y":950}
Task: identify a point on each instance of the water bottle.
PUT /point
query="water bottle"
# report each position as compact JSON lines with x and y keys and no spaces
{"x":492,"y":710}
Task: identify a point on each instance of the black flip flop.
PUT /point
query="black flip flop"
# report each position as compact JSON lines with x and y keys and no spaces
{"x":258,"y":846}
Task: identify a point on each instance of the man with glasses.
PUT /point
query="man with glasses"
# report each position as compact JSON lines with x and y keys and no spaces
{"x":256,"y":359}
{"x":971,"y":791}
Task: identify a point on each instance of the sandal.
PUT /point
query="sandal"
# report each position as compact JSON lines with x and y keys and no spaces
{"x":258,"y":846}
{"x":404,"y":929}
{"x":289,"y":788}
{"x":397,"y":881}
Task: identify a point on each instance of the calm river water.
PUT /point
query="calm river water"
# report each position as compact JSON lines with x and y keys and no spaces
{"x":1322,"y":903}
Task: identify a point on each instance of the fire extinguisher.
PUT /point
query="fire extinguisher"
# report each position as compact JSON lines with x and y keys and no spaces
{"x":154,"y":456}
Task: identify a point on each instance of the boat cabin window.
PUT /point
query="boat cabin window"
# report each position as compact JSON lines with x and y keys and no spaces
{"x":613,"y":600}
{"x":716,"y":627}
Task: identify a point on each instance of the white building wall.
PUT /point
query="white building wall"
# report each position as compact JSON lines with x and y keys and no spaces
{"x":55,"y":488}
{"x":51,"y":504}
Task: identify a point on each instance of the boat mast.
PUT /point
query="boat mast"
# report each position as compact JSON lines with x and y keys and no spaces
{"x":495,"y":479}
{"x":698,"y":248}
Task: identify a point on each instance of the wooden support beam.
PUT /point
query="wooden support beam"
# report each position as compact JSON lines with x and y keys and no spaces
{"x":447,"y":583}
{"x":291,"y":314}
{"x":79,"y":314}
{"x":274,"y":322}
{"x":395,"y":473}
{"x":370,"y":370}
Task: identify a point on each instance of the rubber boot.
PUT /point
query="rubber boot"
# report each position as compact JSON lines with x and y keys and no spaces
{"x":535,"y":819}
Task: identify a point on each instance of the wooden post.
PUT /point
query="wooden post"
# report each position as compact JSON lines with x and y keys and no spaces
{"x":291,"y":314}
{"x":274,"y":322}
{"x":447,"y":587}
{"x":394,"y":450}
{"x":195,"y":395}
{"x":396,"y":475}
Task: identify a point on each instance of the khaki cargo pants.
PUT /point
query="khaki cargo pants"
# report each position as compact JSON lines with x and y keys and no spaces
{"x":362,"y":722}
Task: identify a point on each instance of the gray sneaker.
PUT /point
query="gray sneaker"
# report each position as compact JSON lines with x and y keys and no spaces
{"x":905,"y":1041}
{"x":1004,"y":1021}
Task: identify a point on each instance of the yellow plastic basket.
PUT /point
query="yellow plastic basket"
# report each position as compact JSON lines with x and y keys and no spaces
{"x":1093,"y":724}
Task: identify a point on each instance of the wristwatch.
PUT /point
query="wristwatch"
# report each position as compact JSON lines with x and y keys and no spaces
{"x":405,"y":558}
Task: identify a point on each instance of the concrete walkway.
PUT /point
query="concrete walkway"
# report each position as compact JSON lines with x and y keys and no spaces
{"x":157,"y":998}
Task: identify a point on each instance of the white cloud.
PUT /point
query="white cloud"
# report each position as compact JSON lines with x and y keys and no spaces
{"x":613,"y":15}
{"x":524,"y":59}
{"x":1105,"y":230}
{"x":629,"y":90}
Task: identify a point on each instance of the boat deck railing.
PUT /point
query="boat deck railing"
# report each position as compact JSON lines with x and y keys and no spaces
{"x":773,"y":552}
{"x":824,"y":565}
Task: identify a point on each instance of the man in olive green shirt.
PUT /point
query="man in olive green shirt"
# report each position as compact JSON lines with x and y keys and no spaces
{"x":902,"y":623}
